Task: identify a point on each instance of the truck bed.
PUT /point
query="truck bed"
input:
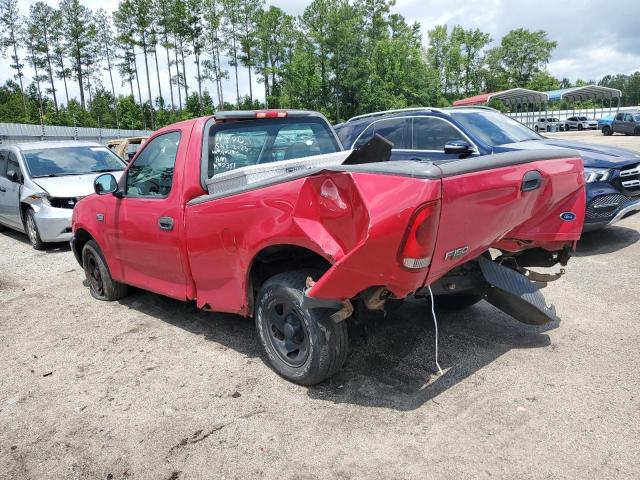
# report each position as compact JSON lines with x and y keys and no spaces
{"x":481,"y":205}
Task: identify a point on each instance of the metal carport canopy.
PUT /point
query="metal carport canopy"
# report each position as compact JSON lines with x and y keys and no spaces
{"x":574,"y":94}
{"x":512,"y":96}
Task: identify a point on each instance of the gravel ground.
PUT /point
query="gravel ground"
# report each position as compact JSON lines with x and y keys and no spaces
{"x":152,"y":388}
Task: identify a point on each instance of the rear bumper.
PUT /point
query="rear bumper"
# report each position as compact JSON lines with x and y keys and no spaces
{"x":54,"y":224}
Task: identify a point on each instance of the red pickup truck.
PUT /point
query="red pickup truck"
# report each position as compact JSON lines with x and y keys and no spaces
{"x":262,"y":214}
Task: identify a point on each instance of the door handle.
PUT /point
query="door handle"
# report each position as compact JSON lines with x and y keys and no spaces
{"x":531,"y":181}
{"x":165,"y":223}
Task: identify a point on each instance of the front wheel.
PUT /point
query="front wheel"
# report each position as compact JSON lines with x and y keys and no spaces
{"x":606,"y":131}
{"x":302,"y":345}
{"x":32,"y":231}
{"x":536,"y":128}
{"x":101,"y":285}
{"x":636,"y":132}
{"x":580,"y":127}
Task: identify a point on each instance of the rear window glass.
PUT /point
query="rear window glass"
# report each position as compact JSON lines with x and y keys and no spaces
{"x":244,"y":143}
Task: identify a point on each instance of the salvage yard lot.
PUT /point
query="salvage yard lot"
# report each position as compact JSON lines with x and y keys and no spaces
{"x":152,"y":388}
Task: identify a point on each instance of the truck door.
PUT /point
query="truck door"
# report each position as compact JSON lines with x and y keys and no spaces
{"x":148,"y":221}
{"x":10,"y":190}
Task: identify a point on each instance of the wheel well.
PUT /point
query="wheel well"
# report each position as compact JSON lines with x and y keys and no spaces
{"x":23,"y":211}
{"x":279,"y":259}
{"x":81,"y":237}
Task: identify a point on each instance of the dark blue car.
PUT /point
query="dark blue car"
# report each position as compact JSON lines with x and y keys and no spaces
{"x":612,"y":174}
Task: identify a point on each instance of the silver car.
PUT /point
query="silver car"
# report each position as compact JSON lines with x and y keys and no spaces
{"x":41,"y":182}
{"x":548,"y":124}
{"x":581,"y":123}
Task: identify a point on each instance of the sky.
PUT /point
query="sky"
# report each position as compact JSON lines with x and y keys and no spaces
{"x":592,"y":40}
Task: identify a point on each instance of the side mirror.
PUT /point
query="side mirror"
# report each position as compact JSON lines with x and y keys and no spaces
{"x":104,"y":184}
{"x":13,"y":176}
{"x":458,"y":147}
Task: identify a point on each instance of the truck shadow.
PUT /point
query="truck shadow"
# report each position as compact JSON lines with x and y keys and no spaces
{"x":394,"y":368}
{"x":607,"y":240}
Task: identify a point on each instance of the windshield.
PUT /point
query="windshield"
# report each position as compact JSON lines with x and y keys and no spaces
{"x":240,"y":144}
{"x":54,"y":162}
{"x":583,"y":119}
{"x":494,"y":128}
{"x":636,"y":118}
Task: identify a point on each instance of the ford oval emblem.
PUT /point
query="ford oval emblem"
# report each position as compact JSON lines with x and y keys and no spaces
{"x":568,"y":216}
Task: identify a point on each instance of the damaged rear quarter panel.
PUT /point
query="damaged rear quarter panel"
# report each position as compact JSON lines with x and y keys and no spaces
{"x":361,"y":241}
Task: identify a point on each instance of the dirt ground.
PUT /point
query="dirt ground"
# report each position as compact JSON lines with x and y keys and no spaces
{"x":151,"y":388}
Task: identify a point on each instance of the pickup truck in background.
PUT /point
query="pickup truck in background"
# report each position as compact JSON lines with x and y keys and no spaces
{"x":263,"y":214}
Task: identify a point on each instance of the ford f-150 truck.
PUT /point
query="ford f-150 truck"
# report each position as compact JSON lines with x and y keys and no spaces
{"x":262,"y":214}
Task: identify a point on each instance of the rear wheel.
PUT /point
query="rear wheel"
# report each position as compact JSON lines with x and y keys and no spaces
{"x":304,"y":346}
{"x":101,"y":285}
{"x":636,"y":132}
{"x":32,"y":231}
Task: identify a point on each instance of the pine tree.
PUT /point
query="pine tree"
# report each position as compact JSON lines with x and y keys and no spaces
{"x":11,"y":26}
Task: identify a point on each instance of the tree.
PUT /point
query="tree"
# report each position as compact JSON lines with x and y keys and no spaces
{"x":232,"y":16}
{"x":108,"y":46}
{"x":56,"y":35}
{"x":249,"y":11}
{"x":162,"y":9}
{"x":195,"y":34}
{"x":40,"y":24}
{"x":212,"y":66}
{"x":11,"y":23}
{"x":521,"y":54}
{"x":274,"y":38}
{"x":79,"y":34}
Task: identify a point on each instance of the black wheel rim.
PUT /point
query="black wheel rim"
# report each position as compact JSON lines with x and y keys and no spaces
{"x":94,"y":275}
{"x":287,"y":332}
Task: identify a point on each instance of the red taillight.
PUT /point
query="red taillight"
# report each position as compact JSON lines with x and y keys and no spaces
{"x":271,"y":114}
{"x":420,"y":239}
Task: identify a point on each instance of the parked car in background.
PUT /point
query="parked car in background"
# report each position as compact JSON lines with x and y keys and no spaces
{"x":41,"y":183}
{"x":126,"y":148}
{"x":604,"y":124}
{"x":612,"y":174}
{"x":262,"y":214}
{"x":627,"y":123}
{"x":580,"y":123}
{"x":549,"y":124}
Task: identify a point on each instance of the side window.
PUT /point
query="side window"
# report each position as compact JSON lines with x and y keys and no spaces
{"x":151,"y":174}
{"x":365,"y":136}
{"x":13,"y":165}
{"x":628,"y":118}
{"x":619,"y":116}
{"x":395,"y":131}
{"x":430,"y":133}
{"x":3,"y":163}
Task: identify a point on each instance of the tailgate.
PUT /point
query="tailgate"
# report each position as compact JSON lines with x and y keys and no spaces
{"x":510,"y":201}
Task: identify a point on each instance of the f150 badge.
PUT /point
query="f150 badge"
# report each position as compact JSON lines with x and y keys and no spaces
{"x":458,"y":252}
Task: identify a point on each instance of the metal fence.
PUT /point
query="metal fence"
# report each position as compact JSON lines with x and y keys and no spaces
{"x":18,"y":132}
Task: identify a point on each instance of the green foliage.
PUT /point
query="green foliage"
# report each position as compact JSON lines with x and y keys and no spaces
{"x":340,"y":57}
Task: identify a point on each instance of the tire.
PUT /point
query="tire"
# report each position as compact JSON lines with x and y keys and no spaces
{"x":636,"y":132}
{"x":304,"y":346}
{"x":31,"y":227}
{"x":580,"y":127}
{"x":457,"y":301}
{"x":101,"y":285}
{"x":536,"y":128}
{"x":606,"y":131}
